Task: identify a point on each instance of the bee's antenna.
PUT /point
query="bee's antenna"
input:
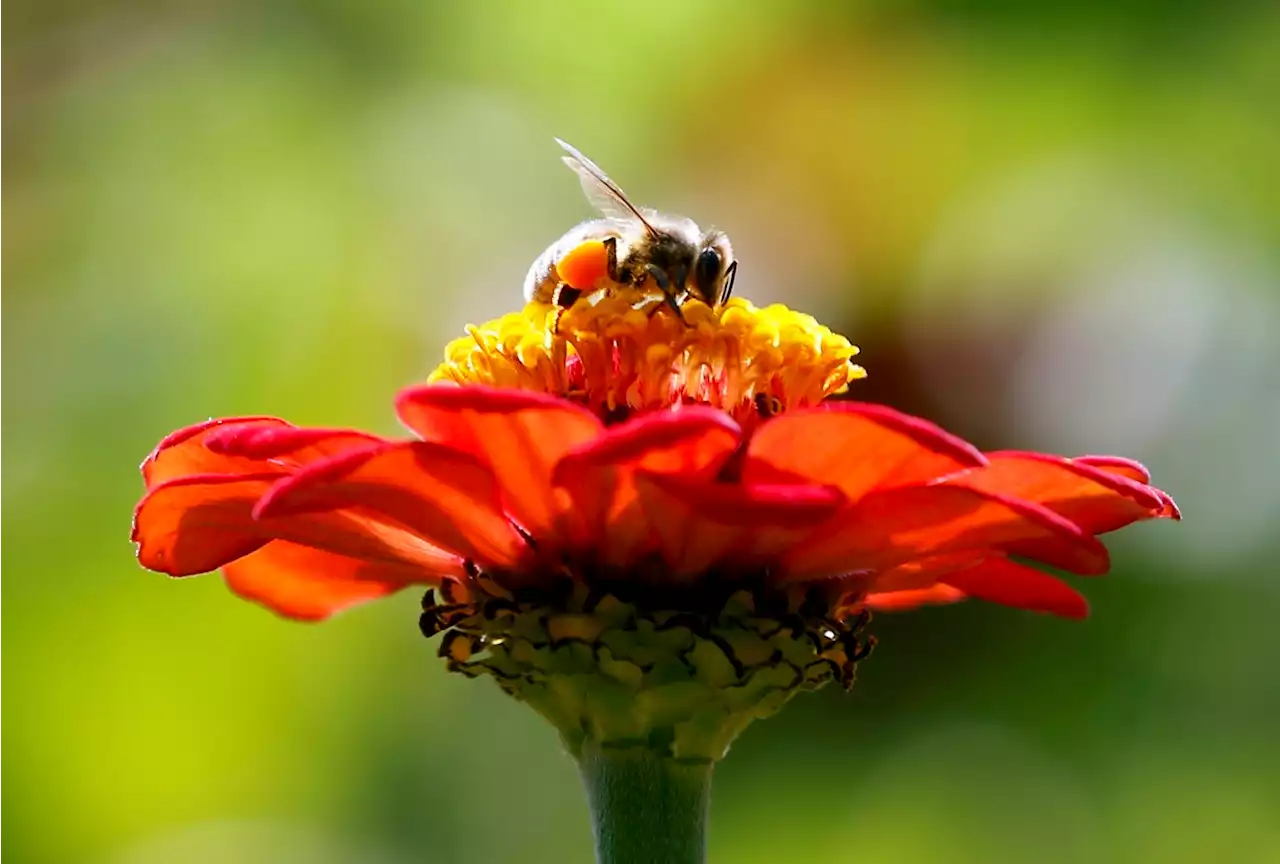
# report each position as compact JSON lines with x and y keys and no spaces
{"x":729,"y":276}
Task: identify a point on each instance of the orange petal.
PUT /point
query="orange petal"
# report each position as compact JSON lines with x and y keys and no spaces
{"x":892,"y":526}
{"x":1134,"y":471}
{"x":440,"y":494}
{"x":1095,"y":500}
{"x":855,"y":446}
{"x":244,"y":445}
{"x":600,"y":475}
{"x":310,"y":585}
{"x":365,"y":535}
{"x":999,"y":580}
{"x":899,"y":584}
{"x":899,"y":601}
{"x":921,"y":573}
{"x":519,"y":434}
{"x":199,"y":523}
{"x":701,"y":524}
{"x":183,"y":453}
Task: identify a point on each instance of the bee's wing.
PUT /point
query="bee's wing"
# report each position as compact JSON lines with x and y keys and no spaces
{"x":603,"y":193}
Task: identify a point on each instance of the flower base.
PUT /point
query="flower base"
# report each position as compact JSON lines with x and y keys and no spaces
{"x":618,"y":667}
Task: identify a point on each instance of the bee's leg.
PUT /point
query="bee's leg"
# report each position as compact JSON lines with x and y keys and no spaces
{"x":565,"y":295}
{"x":611,"y":259}
{"x":562,"y":298}
{"x":680,"y":283}
{"x":668,"y":291}
{"x":670,"y":300}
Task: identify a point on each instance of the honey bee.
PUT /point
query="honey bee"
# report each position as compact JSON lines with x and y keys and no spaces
{"x":629,"y":247}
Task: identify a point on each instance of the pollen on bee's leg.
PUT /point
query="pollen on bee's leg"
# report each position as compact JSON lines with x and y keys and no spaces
{"x":585,"y":265}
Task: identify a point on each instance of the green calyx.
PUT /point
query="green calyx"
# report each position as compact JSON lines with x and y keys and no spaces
{"x":678,"y":679}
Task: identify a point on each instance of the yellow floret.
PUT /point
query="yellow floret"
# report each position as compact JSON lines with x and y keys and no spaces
{"x":628,"y":352}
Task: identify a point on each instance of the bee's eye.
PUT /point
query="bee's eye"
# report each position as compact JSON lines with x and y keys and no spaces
{"x":707,"y":270}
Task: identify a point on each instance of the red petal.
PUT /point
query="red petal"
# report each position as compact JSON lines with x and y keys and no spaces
{"x":892,"y":526}
{"x":1117,"y":465}
{"x":519,"y":434}
{"x":999,"y":580}
{"x":442,"y":495}
{"x":311,"y":585}
{"x":700,"y":524}
{"x":183,"y":453}
{"x":1095,"y":500}
{"x":199,"y":523}
{"x":1168,"y":507}
{"x":600,"y":475}
{"x":244,"y":445}
{"x":857,"y":447}
{"x":899,"y":601}
{"x":422,"y":407}
{"x":297,"y":445}
{"x":691,"y":439}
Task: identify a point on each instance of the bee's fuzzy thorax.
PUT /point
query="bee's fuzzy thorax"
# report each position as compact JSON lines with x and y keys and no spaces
{"x":628,"y":353}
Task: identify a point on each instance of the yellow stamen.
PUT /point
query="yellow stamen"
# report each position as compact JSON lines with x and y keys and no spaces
{"x":627,"y":351}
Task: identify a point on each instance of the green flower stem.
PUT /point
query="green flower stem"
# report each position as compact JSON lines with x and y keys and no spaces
{"x":646,"y":695}
{"x":646,"y":808}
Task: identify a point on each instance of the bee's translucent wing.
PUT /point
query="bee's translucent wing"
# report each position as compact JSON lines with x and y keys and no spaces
{"x":603,"y":193}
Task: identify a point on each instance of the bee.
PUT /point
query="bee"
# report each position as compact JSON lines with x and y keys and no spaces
{"x":631,"y":246}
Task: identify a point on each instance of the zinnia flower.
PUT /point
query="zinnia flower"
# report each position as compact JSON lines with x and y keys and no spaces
{"x":652,"y":530}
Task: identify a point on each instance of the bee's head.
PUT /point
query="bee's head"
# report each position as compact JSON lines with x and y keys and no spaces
{"x":714,"y":267}
{"x":681,"y":259}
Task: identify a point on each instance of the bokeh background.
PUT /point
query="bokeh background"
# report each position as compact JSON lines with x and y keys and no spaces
{"x":1051,"y":226}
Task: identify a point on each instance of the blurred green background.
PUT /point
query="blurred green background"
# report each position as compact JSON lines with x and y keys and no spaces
{"x":1049,"y":226}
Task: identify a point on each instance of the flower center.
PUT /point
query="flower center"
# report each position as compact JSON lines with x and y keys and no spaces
{"x":617,"y":667}
{"x":627,"y":352}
